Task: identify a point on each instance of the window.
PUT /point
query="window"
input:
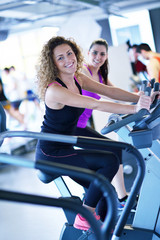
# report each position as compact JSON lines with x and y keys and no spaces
{"x":134,"y":26}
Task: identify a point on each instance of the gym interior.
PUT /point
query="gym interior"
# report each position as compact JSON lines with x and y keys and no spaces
{"x":24,"y":27}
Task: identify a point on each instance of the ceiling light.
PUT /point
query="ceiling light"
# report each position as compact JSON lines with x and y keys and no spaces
{"x":30,"y":2}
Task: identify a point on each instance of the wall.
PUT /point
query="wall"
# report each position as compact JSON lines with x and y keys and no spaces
{"x":84,"y":29}
{"x":155,"y":22}
{"x":119,"y":74}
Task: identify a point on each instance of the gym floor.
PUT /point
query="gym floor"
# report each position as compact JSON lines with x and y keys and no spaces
{"x":25,"y":221}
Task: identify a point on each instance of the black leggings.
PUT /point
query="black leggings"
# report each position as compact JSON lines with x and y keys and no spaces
{"x":102,"y":162}
{"x":90,"y":132}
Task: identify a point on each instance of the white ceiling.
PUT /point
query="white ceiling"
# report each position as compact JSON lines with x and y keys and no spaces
{"x":18,"y":15}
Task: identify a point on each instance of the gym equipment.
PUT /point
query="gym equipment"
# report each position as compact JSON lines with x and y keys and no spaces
{"x":31,"y":110}
{"x":71,"y":204}
{"x":68,"y":231}
{"x":142,"y":130}
{"x":130,"y":168}
{"x":58,"y":170}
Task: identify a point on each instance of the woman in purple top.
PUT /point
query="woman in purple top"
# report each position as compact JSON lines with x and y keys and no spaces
{"x":97,"y":67}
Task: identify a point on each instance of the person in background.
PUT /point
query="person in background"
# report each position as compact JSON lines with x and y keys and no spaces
{"x":15,"y":85}
{"x":8,"y":107}
{"x":60,"y":83}
{"x":10,"y":85}
{"x":139,"y":69}
{"x":21,"y":81}
{"x":137,"y":65}
{"x":97,"y":69}
{"x":153,"y":65}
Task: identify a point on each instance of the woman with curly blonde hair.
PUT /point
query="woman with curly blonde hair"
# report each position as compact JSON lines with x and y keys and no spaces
{"x":60,"y":85}
{"x":47,"y":71}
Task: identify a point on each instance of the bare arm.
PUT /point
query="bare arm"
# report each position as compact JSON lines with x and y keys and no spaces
{"x":86,"y":72}
{"x":58,"y":96}
{"x":153,"y":69}
{"x":108,"y":91}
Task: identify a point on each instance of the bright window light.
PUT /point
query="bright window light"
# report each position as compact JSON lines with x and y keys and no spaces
{"x":48,"y":31}
{"x":131,"y":27}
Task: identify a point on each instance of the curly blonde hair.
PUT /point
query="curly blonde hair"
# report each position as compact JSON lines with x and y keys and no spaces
{"x":47,"y":71}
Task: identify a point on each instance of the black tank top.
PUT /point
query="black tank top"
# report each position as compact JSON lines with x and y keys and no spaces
{"x":61,"y":121}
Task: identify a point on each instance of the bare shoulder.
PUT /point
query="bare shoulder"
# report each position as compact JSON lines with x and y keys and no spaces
{"x":153,"y":62}
{"x":54,"y":89}
{"x":83,"y":77}
{"x":53,"y":92}
{"x":53,"y":96}
{"x":85,"y":71}
{"x":157,"y":55}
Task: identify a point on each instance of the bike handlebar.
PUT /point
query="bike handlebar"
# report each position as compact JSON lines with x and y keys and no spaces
{"x":126,"y":120}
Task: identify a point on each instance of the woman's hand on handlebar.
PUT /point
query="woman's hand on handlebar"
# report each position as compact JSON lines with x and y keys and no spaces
{"x":143,"y":102}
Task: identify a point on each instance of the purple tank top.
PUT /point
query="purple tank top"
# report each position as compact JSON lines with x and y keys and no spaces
{"x":83,"y":119}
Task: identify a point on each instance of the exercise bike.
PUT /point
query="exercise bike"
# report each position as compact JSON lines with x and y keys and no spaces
{"x":143,"y":131}
{"x":57,"y":170}
{"x":69,"y":232}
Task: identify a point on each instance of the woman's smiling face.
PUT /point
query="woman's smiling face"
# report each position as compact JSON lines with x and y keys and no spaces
{"x":65,"y":59}
{"x":97,"y":55}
